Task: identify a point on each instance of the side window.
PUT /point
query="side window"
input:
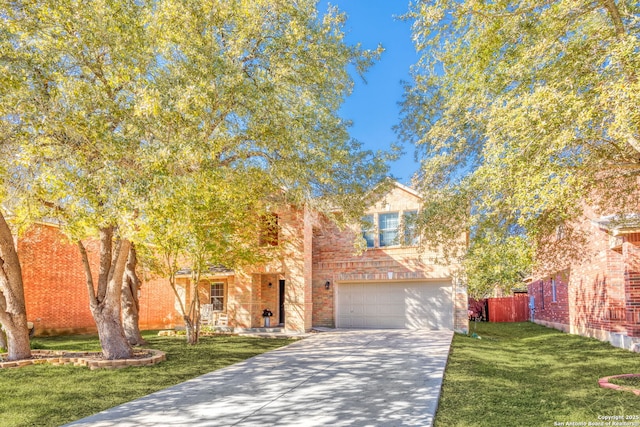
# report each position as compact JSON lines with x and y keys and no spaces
{"x":554,"y":294}
{"x":388,"y":226}
{"x":411,"y":237}
{"x":368,"y":230}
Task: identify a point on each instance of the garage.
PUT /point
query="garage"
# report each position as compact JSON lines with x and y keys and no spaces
{"x":395,"y":305}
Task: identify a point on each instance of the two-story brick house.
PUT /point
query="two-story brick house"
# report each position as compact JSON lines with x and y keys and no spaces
{"x":316,"y":278}
{"x":320,"y":280}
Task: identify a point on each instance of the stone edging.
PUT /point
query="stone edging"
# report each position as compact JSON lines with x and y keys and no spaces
{"x":84,"y":358}
{"x":604,"y":383}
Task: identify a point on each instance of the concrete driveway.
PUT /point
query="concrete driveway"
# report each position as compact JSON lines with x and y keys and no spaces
{"x":341,"y":378}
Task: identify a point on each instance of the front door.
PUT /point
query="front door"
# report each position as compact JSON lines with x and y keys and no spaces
{"x":281,"y":302}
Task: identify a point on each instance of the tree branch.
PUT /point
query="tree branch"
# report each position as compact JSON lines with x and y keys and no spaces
{"x":87,"y":271}
{"x":614,"y":14}
{"x":106,"y":235}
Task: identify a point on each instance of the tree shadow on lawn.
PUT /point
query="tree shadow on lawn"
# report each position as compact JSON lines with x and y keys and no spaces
{"x":46,"y":395}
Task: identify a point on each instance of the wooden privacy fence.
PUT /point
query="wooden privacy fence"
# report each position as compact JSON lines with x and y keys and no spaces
{"x":509,"y":309}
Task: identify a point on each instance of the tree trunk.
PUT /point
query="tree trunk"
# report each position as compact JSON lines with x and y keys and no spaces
{"x":105,"y":303}
{"x":13,"y":312}
{"x":192,"y":320}
{"x":193,"y":331}
{"x":3,"y":340}
{"x":112,"y":339}
{"x":130,"y":303}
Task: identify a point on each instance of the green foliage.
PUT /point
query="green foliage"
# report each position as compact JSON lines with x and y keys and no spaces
{"x":178,"y":123}
{"x":523,"y":111}
{"x":494,"y":261}
{"x":45,"y":395}
{"x":522,"y":374}
{"x":116,"y":110}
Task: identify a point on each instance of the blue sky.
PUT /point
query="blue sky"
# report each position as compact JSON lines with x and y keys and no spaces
{"x":373,"y":106}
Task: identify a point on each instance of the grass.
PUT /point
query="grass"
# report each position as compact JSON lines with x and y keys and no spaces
{"x":43,"y":395}
{"x":522,"y":374}
{"x":632,"y":382}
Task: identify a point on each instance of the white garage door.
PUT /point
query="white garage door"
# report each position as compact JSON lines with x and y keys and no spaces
{"x":394,"y":305}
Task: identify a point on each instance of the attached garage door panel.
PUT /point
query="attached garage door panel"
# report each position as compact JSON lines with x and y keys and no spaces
{"x":394,"y":305}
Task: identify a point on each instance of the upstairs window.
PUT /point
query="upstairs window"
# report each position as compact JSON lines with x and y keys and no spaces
{"x":367,"y":230}
{"x":269,"y":230}
{"x":411,"y":236}
{"x":388,"y":226}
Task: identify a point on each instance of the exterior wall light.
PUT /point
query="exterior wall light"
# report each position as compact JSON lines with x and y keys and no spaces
{"x":327,"y":285}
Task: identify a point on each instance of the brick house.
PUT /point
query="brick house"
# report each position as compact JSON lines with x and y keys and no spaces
{"x":315,"y":279}
{"x":320,"y":281}
{"x":599,"y":296}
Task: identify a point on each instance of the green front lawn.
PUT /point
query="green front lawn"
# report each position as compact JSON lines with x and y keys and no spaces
{"x":522,"y":374}
{"x":43,"y":395}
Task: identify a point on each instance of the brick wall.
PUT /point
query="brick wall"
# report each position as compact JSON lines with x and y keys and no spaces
{"x":56,"y":293}
{"x":335,"y":260}
{"x":546,"y":309}
{"x":54,"y":282}
{"x":596,"y":292}
{"x":157,"y":305}
{"x":631,"y":256}
{"x":595,"y":296}
{"x":296,"y":231}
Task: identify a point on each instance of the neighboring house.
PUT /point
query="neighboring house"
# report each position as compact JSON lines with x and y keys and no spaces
{"x":315,"y":280}
{"x":321,"y":282}
{"x":55,"y":286}
{"x":600,"y":296}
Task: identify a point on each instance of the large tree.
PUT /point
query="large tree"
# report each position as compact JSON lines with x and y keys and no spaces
{"x":120,"y":103}
{"x":13,"y":317}
{"x":246,"y":107}
{"x":257,"y":86}
{"x":77,"y":68}
{"x":523,"y":112}
{"x":13,"y":314}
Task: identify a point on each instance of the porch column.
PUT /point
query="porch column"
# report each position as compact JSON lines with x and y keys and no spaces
{"x":297,"y":235}
{"x":241,"y":296}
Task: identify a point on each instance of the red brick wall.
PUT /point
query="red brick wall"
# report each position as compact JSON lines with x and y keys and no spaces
{"x":594,"y":288}
{"x":545,"y":308}
{"x":597,"y":292}
{"x":54,"y":281}
{"x":631,"y":255}
{"x":157,"y":305}
{"x":56,"y":294}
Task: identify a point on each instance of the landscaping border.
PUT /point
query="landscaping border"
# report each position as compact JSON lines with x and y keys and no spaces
{"x":86,"y":358}
{"x":604,"y":383}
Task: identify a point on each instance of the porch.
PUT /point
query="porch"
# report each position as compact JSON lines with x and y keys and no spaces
{"x":236,"y":303}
